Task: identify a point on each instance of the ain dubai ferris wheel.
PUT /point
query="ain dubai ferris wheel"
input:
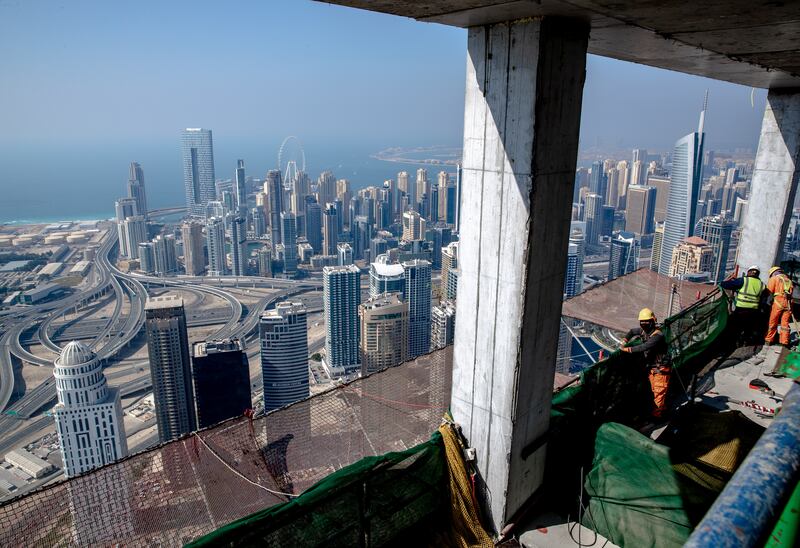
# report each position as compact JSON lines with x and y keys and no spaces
{"x":291,"y":160}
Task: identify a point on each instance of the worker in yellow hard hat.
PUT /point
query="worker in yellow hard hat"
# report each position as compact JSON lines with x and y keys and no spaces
{"x":653,"y":348}
{"x":747,"y":322}
{"x":780,"y":286}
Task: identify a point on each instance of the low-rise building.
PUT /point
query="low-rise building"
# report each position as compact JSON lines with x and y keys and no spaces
{"x":29,"y":463}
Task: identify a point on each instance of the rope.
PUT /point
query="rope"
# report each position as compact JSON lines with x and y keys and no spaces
{"x":245,"y":478}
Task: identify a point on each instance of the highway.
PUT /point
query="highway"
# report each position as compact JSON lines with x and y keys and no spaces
{"x":110,"y":335}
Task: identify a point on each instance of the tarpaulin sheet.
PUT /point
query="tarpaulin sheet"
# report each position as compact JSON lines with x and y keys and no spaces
{"x":616,"y":304}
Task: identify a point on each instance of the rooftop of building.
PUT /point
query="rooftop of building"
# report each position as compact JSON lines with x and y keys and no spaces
{"x":384,"y":299}
{"x":387,"y":270}
{"x":163,"y":301}
{"x":283,"y":309}
{"x":75,"y":353}
{"x":340,"y":268}
{"x":695,"y":240}
{"x":218,"y":346}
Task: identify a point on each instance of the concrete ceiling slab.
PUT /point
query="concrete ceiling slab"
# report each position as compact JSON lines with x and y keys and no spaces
{"x":749,"y":42}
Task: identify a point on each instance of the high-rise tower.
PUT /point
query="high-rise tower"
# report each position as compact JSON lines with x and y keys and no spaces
{"x":88,"y":415}
{"x":383,"y":340}
{"x":684,"y":188}
{"x":198,"y":169}
{"x":193,"y":259}
{"x":418,"y":295}
{"x":341,"y":297}
{"x":215,"y":243}
{"x":240,"y":189}
{"x":221,"y":378}
{"x":170,"y":368}
{"x":136,"y":188}
{"x":273,"y":186}
{"x":284,"y":354}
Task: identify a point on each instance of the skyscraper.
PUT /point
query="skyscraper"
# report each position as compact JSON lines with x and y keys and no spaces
{"x":314,"y":225}
{"x":215,"y":244}
{"x":284,"y":354}
{"x":147,"y":259}
{"x":658,"y":238}
{"x":717,"y":231}
{"x":414,"y":226}
{"x":386,"y":277}
{"x":165,"y":255}
{"x":289,"y":230}
{"x":273,"y":186}
{"x":684,"y":187}
{"x":640,"y":209}
{"x":258,"y":221}
{"x":240,"y":189}
{"x":198,"y":169}
{"x":330,"y":229}
{"x":449,"y":279}
{"x":692,"y":255}
{"x":417,"y":293}
{"x":170,"y":367}
{"x":136,"y":188}
{"x":594,"y":220}
{"x":598,"y":183}
{"x":239,"y":256}
{"x":624,"y":255}
{"x":341,"y":297}
{"x":443,"y":325}
{"x":345,"y":253}
{"x":384,"y":332}
{"x":88,"y":416}
{"x":134,"y":232}
{"x":577,"y":238}
{"x":193,"y":260}
{"x":265,"y":262}
{"x":571,"y":274}
{"x":221,"y":377}
{"x":124,"y":208}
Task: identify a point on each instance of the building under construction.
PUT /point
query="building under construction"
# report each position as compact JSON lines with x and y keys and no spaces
{"x":551,"y":459}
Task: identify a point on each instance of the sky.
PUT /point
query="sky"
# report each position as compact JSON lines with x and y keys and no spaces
{"x":99,"y":72}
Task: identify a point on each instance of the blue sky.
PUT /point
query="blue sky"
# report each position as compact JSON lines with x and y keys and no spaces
{"x":100,"y":72}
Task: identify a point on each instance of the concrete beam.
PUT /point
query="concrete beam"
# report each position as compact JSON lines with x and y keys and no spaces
{"x":774,"y":183}
{"x":521,"y":124}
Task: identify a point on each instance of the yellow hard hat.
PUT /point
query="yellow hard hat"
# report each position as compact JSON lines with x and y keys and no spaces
{"x":773,"y":270}
{"x":646,"y":314}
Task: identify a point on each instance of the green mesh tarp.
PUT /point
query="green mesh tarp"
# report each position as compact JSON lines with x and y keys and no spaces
{"x":647,"y":493}
{"x":374,"y":502}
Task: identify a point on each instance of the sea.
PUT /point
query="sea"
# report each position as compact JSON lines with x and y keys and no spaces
{"x":73,"y":181}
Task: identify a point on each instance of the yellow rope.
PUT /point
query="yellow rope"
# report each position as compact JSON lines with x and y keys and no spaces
{"x":467,"y":530}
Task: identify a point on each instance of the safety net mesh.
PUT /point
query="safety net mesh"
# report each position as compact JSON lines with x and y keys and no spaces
{"x":179,"y":491}
{"x":615,"y":304}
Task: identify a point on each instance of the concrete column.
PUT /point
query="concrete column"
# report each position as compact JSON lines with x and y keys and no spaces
{"x":774,"y":183}
{"x":521,"y":123}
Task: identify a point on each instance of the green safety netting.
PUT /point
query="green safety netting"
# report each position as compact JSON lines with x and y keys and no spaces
{"x":373,"y":502}
{"x":647,"y":493}
{"x":617,"y":390}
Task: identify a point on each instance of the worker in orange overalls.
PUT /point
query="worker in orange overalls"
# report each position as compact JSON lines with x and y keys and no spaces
{"x":653,"y":348}
{"x":780,"y":286}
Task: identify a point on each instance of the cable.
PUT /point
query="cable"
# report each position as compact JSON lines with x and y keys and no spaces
{"x":245,"y":478}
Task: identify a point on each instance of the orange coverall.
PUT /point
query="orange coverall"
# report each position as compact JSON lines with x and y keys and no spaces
{"x":781,"y":308}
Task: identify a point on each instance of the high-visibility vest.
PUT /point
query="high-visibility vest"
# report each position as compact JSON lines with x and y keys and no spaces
{"x":749,"y":295}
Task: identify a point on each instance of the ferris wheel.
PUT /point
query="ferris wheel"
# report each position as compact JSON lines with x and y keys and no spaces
{"x":291,"y":159}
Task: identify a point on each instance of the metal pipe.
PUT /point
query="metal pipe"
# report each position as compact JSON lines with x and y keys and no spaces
{"x":748,"y":507}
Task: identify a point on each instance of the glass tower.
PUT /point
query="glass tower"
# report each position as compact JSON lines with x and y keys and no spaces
{"x":198,"y":169}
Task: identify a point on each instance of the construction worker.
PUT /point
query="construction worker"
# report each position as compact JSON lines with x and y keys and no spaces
{"x":746,"y":320}
{"x":653,"y":347}
{"x":780,"y":286}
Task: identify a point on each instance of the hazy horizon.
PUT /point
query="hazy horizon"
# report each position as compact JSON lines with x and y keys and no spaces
{"x":93,"y":86}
